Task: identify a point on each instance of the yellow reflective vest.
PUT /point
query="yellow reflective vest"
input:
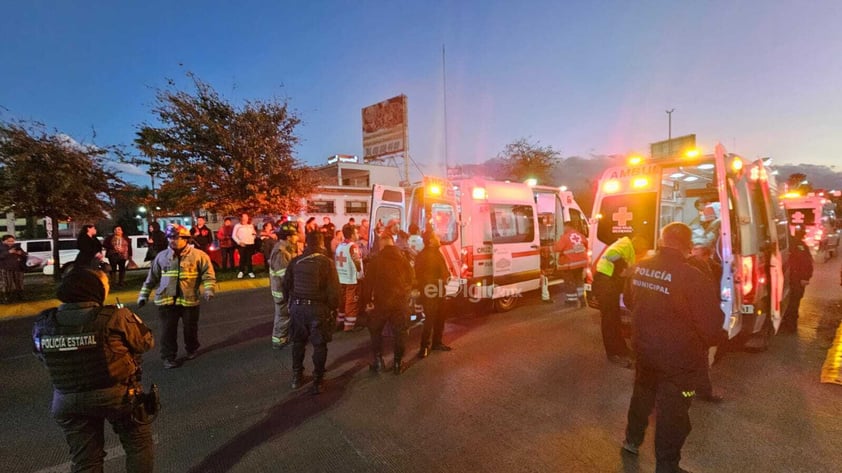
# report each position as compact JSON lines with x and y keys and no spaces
{"x":620,"y":249}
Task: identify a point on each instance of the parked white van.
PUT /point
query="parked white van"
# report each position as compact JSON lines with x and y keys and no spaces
{"x":67,"y":256}
{"x":40,"y":251}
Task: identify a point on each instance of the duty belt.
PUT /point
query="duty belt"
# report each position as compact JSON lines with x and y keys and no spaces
{"x":306,"y":301}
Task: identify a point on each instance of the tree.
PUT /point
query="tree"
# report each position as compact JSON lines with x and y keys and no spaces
{"x":52,"y":175}
{"x":213,"y":155}
{"x":797,"y":182}
{"x":524,"y":160}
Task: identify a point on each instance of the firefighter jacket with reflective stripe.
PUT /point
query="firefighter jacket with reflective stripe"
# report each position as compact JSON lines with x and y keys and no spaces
{"x":572,"y":249}
{"x":282,"y":253}
{"x":86,"y":346}
{"x":348,"y":262}
{"x":620,"y":253}
{"x":180,"y":279}
{"x":675,"y":312}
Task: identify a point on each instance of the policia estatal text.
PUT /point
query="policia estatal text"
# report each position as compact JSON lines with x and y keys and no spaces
{"x":93,"y":354}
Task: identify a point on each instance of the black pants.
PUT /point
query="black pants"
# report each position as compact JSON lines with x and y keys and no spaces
{"x":397,"y":318}
{"x":170,"y":314}
{"x":790,"y":318}
{"x":433,"y":321}
{"x":118,"y":265}
{"x":246,"y":253}
{"x":607,"y":291}
{"x":670,"y":395}
{"x":227,"y":257}
{"x":308,"y":326}
{"x":82,"y":417}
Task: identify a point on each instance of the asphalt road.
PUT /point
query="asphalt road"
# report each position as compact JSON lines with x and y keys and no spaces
{"x":528,"y":390}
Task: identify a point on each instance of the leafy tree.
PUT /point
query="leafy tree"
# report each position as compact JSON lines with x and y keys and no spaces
{"x":523,"y":160}
{"x":50,"y":174}
{"x":214,"y":155}
{"x":797,"y":182}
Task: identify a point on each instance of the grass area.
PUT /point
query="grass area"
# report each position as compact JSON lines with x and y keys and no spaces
{"x":40,"y":287}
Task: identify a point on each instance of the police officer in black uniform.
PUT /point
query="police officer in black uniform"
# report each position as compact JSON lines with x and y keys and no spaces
{"x":800,"y":272}
{"x":93,"y":354}
{"x":675,"y":317}
{"x":311,"y":286}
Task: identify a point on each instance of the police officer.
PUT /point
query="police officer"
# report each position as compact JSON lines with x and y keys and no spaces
{"x":675,"y":317}
{"x":179,"y":275}
{"x":312,"y":288}
{"x":282,"y":253}
{"x":800,"y":272}
{"x":608,"y":285}
{"x":93,"y":354}
{"x":388,"y":285}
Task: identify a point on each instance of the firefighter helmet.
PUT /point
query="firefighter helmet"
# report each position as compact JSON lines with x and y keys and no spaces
{"x":176,"y":231}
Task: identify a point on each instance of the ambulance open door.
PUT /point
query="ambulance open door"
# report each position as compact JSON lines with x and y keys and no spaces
{"x":387,"y":203}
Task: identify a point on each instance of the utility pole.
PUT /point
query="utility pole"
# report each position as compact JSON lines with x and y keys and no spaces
{"x":444,"y":94}
{"x":669,"y":132}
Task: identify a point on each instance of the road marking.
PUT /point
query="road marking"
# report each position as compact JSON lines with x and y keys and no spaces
{"x":110,"y":454}
{"x":832,"y":369}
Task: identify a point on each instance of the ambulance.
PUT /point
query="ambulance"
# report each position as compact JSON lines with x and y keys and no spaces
{"x":432,"y":202}
{"x":508,"y":233}
{"x":729,"y":203}
{"x":817,"y":216}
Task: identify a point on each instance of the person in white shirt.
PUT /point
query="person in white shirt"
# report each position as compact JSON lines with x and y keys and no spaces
{"x":244,"y":236}
{"x":349,"y":268}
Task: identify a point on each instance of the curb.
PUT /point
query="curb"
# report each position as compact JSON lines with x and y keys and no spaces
{"x":126,"y":296}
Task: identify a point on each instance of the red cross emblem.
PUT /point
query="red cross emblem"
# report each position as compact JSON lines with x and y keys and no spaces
{"x":576,"y":238}
{"x":622,"y":216}
{"x":341,"y":259}
{"x":798,"y":217}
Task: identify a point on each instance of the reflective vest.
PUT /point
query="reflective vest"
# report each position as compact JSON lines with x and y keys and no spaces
{"x":79,"y":357}
{"x":620,"y":249}
{"x":346,"y":252}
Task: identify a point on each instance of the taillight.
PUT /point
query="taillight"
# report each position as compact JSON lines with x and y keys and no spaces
{"x":747,"y":279}
{"x":467,"y":261}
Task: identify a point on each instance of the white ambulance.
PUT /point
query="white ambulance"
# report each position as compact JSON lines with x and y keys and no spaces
{"x":492,"y":232}
{"x":506,"y":229}
{"x":817,"y":216}
{"x":729,"y":203}
{"x":430,"y":202}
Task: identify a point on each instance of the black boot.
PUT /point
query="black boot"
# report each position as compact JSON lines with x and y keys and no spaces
{"x":318,"y":385}
{"x":297,"y":380}
{"x":378,"y":365}
{"x":398,"y":367}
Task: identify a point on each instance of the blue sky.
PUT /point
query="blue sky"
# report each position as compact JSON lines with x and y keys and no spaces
{"x":762,"y":77}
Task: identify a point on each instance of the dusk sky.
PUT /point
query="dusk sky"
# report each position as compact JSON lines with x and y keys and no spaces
{"x":585,"y":77}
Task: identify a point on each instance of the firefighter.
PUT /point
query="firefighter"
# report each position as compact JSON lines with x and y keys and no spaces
{"x":608,"y":286}
{"x":388,"y":285}
{"x":282,"y":253}
{"x":800,"y":272}
{"x":312,"y":288}
{"x":572,"y":250}
{"x":93,"y":353}
{"x":675,"y":317}
{"x":349,"y":266}
{"x":179,"y":275}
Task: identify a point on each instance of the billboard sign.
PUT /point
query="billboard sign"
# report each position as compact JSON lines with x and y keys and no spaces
{"x":674,"y":147}
{"x":385,"y":128}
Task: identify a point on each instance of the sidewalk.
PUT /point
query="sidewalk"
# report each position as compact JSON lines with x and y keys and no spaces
{"x":126,"y":296}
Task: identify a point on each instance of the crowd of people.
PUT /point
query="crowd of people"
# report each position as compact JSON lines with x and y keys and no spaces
{"x":334,"y":282}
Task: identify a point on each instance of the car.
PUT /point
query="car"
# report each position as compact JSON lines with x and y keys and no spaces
{"x":40,"y":252}
{"x":68,"y":256}
{"x":216,"y":257}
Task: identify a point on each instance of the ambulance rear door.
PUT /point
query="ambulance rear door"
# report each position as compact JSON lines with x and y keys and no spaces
{"x":776,"y":245}
{"x":729,"y":298}
{"x":387,"y":203}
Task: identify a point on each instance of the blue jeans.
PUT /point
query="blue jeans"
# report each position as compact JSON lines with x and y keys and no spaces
{"x":82,"y":417}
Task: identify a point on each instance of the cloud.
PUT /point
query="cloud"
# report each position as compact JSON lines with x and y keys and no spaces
{"x":130,"y":169}
{"x":820,"y":176}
